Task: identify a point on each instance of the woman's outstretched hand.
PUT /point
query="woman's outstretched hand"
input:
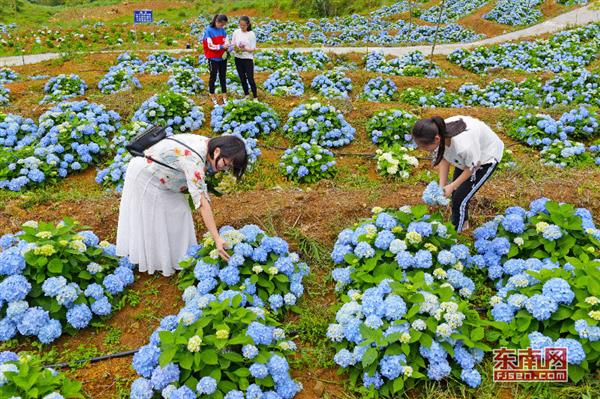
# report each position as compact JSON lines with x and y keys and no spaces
{"x":220,"y":244}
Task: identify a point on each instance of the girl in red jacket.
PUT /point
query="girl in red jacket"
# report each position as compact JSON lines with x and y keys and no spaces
{"x":215,"y":45}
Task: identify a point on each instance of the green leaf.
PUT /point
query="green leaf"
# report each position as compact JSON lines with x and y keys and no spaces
{"x":477,"y":334}
{"x":369,"y":357}
{"x":209,"y":356}
{"x":55,"y":266}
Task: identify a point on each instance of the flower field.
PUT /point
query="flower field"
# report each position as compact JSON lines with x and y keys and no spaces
{"x":346,"y":278}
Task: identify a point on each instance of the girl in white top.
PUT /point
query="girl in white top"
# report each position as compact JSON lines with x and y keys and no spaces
{"x":470,"y":146}
{"x":156,"y":227}
{"x":244,"y":44}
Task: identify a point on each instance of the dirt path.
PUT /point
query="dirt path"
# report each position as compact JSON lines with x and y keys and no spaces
{"x":580,"y":16}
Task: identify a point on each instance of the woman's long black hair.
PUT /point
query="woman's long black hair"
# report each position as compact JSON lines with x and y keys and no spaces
{"x":425,"y":131}
{"x":218,"y":18}
{"x":232,"y":148}
{"x":247,"y":21}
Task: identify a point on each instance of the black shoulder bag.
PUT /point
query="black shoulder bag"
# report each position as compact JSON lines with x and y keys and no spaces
{"x":148,"y":138}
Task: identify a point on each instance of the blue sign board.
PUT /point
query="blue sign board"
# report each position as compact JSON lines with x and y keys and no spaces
{"x":142,"y":16}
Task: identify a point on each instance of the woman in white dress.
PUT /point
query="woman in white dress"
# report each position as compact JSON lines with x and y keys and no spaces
{"x":155,"y":218}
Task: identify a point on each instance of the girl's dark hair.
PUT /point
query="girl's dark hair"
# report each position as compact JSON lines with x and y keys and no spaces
{"x":247,"y":21}
{"x":234,"y":149}
{"x":218,"y":18}
{"x":425,"y":131}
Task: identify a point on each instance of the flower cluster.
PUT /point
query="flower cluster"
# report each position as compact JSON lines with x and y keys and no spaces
{"x":176,"y":112}
{"x":332,"y":84}
{"x":23,"y":375}
{"x":307,"y":163}
{"x":112,"y":176}
{"x":563,"y":52}
{"x":395,"y":161}
{"x":56,"y":278}
{"x":63,"y":87}
{"x":16,"y":131}
{"x":379,"y":90}
{"x":7,"y":75}
{"x":215,"y":346}
{"x":434,"y":195}
{"x":186,"y":81}
{"x":580,"y":123}
{"x":284,"y":82}
{"x":515,"y":12}
{"x":396,"y":315}
{"x":244,"y":117}
{"x":320,"y":124}
{"x":261,"y":267}
{"x":119,"y":78}
{"x":412,"y":64}
{"x":390,"y":127}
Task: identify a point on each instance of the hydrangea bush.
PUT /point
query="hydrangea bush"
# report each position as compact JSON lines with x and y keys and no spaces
{"x":536,"y":130}
{"x":515,"y":12}
{"x":7,"y":75}
{"x":222,"y":350}
{"x":308,"y":163}
{"x":174,"y":111}
{"x":77,"y":133}
{"x":186,"y":81}
{"x":379,"y":90}
{"x":403,"y":317}
{"x":547,"y":230}
{"x":395,"y":161}
{"x":73,"y":136}
{"x":4,"y":94}
{"x":412,"y":64}
{"x":396,"y":332}
{"x":284,"y":82}
{"x":56,"y":278}
{"x":261,"y":267}
{"x":391,"y":127}
{"x":333,"y":84}
{"x":567,"y":153}
{"x":552,"y":307}
{"x":316,"y":123}
{"x":245,"y":117}
{"x":63,"y":87}
{"x":24,"y":376}
{"x":119,"y":79}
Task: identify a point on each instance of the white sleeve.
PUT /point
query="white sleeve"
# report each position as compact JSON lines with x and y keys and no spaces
{"x":211,"y":45}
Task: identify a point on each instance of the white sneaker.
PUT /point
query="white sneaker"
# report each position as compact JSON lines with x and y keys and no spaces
{"x":215,"y":102}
